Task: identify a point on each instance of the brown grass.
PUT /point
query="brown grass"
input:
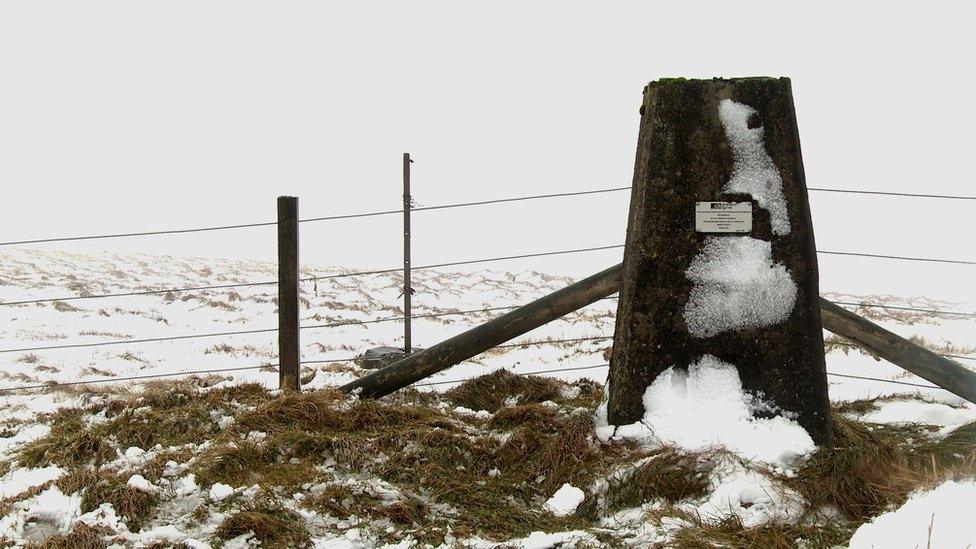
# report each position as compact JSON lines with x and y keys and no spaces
{"x":730,"y":532}
{"x":496,"y":474}
{"x":342,"y":502}
{"x":515,"y":416}
{"x":116,"y":335}
{"x":63,"y":307}
{"x":490,"y":392}
{"x":134,"y":506}
{"x":871,"y":467}
{"x":179,"y":414}
{"x":272,"y":524}
{"x":667,"y":475}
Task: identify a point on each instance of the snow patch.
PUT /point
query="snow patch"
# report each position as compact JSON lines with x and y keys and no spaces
{"x":752,"y":496}
{"x":23,"y":436}
{"x":220,"y":492}
{"x":539,"y":540}
{"x":480,"y":414}
{"x":947,"y":509}
{"x":753,"y":170}
{"x":928,"y":413}
{"x":736,"y":285}
{"x":50,"y":512}
{"x":706,"y":407}
{"x":21,"y":479}
{"x":140,"y":483}
{"x":565,"y":501}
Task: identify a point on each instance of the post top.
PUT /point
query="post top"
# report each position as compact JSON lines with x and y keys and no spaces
{"x":669,"y":81}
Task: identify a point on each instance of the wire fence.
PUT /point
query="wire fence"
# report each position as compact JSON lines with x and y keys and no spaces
{"x":352,"y":322}
{"x":274,"y":367}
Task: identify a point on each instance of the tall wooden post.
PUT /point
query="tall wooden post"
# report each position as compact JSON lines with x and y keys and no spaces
{"x":407,"y":288}
{"x":289,"y":349}
{"x":720,"y":261}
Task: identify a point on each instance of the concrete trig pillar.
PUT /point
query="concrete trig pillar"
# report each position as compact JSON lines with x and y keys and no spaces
{"x":720,"y":261}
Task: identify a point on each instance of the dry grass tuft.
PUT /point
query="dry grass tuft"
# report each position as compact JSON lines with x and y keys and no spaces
{"x":330,"y":410}
{"x":69,"y":444}
{"x":490,"y":392}
{"x":566,"y":451}
{"x":134,"y":506}
{"x":873,"y":467}
{"x":343,"y":502}
{"x":63,"y":307}
{"x":730,"y":532}
{"x":666,"y":475}
{"x":222,"y":348}
{"x":272,"y":524}
{"x":861,"y":474}
{"x":171,"y":414}
{"x":515,"y":416}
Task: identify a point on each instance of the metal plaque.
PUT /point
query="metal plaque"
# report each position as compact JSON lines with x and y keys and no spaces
{"x":723,"y":217}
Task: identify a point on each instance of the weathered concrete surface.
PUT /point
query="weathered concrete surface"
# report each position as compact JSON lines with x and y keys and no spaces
{"x":684,"y":156}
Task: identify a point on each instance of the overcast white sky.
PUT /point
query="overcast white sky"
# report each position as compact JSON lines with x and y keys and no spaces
{"x":130,"y":116}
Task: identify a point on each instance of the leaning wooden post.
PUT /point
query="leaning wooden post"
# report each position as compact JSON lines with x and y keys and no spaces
{"x":922,"y":362}
{"x":479,"y":339}
{"x":720,"y":257}
{"x":289,"y":350}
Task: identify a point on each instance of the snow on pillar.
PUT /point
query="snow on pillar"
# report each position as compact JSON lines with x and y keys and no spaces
{"x":720,"y":261}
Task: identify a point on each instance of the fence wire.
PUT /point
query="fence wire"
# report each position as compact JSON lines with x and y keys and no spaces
{"x":423,"y":208}
{"x":431,"y":266}
{"x":273,"y":367}
{"x":306,"y":220}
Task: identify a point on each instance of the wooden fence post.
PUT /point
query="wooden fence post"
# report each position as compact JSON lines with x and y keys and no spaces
{"x":289,"y":350}
{"x":407,"y":288}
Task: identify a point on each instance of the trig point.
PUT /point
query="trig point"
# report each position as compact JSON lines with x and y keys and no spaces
{"x":720,"y":257}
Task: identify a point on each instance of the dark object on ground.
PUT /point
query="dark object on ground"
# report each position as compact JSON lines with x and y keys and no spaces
{"x":380,"y":357}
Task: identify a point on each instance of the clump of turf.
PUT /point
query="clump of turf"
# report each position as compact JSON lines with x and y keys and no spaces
{"x":170,"y":417}
{"x":555,"y":453}
{"x":730,"y":532}
{"x":951,"y":456}
{"x":68,"y":444}
{"x":134,"y":506}
{"x":305,"y":429}
{"x":516,"y":416}
{"x":82,"y":536}
{"x":871,"y":467}
{"x":665,"y":475}
{"x":490,"y":392}
{"x":272,"y":524}
{"x":342,"y":502}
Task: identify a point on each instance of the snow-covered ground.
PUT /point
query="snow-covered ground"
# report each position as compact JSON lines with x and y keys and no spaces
{"x":28,"y":275}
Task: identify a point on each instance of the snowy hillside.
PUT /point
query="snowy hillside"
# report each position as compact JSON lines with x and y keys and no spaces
{"x":35,"y":275}
{"x":36,"y":478}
